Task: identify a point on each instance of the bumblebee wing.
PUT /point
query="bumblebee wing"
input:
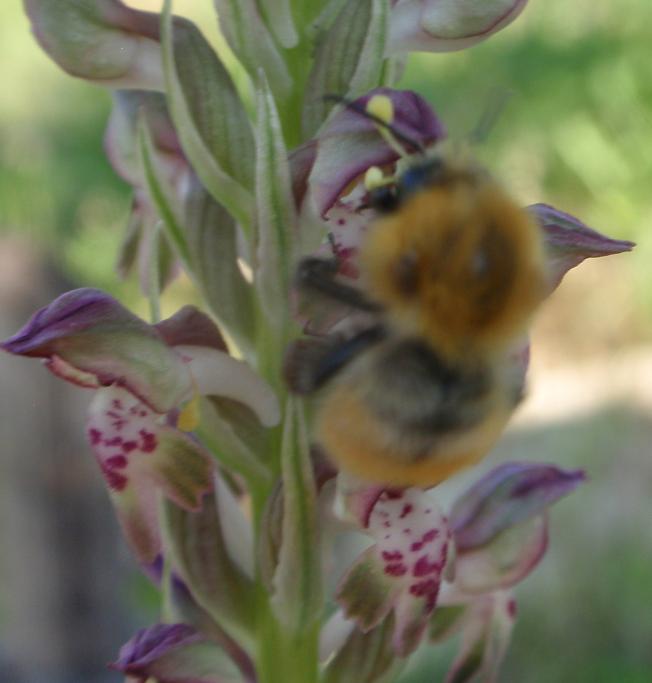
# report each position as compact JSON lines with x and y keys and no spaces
{"x":310,"y":363}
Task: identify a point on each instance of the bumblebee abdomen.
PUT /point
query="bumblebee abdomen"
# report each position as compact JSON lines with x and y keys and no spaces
{"x":383,"y":453}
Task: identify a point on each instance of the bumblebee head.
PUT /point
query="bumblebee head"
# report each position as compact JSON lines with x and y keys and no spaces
{"x":454,"y":259}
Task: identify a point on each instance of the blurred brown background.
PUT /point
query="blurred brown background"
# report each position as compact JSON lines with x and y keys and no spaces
{"x":576,"y":133}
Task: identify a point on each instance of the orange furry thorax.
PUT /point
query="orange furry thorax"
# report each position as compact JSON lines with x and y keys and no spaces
{"x":459,"y":264}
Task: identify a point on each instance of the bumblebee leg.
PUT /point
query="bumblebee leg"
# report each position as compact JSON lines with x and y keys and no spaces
{"x":319,"y":275}
{"x":310,"y":363}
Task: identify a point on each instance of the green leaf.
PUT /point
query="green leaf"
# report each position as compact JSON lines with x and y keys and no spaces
{"x":297,"y":580}
{"x":196,"y":544}
{"x":276,"y":219}
{"x":212,"y":239}
{"x":348,"y":59}
{"x":209,"y":116}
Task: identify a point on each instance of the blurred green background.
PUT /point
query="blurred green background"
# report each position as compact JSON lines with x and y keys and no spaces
{"x":576,"y":133}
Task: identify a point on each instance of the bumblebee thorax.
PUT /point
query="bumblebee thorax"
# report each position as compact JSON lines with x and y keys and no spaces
{"x":459,"y":263}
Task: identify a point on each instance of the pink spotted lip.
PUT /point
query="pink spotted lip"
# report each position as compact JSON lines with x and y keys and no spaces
{"x":121,"y":432}
{"x":413,"y":542}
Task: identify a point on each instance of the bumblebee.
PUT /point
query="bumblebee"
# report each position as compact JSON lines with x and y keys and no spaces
{"x":451,"y":273}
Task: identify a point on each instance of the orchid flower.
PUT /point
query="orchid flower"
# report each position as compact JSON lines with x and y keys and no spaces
{"x":443,"y":575}
{"x":500,"y":531}
{"x":143,"y":376}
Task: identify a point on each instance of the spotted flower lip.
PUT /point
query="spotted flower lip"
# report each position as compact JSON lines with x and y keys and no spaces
{"x":444,"y":26}
{"x":402,"y":572}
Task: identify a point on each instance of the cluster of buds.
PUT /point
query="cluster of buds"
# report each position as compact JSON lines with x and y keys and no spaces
{"x":222,"y":495}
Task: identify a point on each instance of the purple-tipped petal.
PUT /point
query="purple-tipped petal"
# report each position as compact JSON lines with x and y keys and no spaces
{"x":509,"y":494}
{"x":174,"y":653}
{"x":151,"y":643}
{"x":103,"y":41}
{"x":95,"y":335}
{"x":350,"y":144}
{"x":443,"y":26}
{"x":568,"y":241}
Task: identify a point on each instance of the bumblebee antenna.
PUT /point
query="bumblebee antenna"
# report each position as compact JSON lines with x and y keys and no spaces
{"x":381,"y":113}
{"x":493,"y":110}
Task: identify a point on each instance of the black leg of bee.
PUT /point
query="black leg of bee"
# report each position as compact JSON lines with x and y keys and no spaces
{"x":320,"y":275}
{"x":310,"y":363}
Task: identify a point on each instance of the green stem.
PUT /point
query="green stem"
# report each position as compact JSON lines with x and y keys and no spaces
{"x":284,"y":657}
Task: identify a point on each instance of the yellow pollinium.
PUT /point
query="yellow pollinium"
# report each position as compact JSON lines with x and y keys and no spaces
{"x":189,"y":416}
{"x":382,"y":108}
